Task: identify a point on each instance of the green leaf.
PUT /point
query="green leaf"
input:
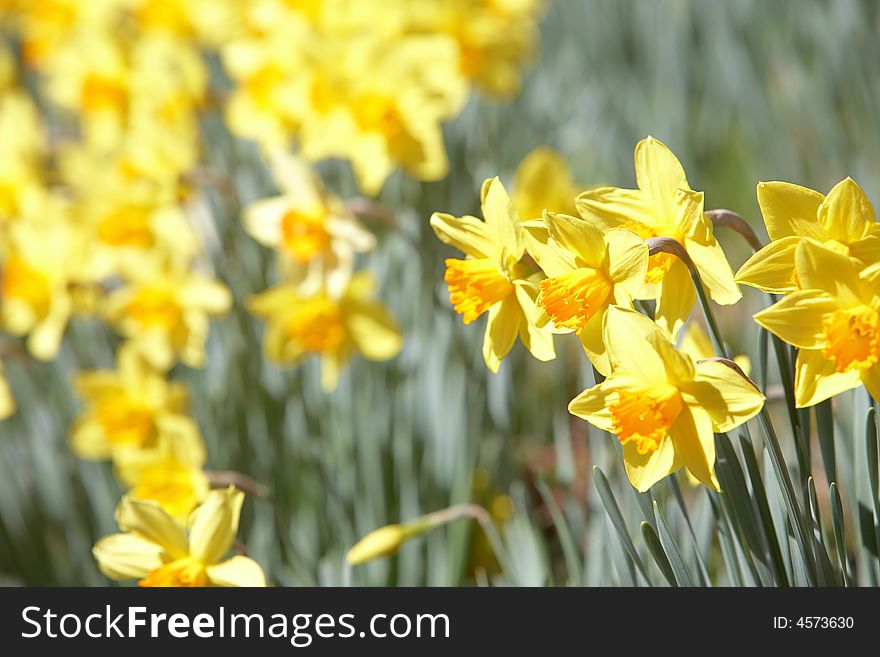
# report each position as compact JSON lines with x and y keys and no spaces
{"x":613,"y":511}
{"x":656,"y":550}
{"x":682,"y":576}
{"x":837,"y":521}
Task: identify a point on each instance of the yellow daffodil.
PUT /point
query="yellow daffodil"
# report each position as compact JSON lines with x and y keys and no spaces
{"x":7,"y":401}
{"x":315,"y":232}
{"x":586,"y":273}
{"x":22,"y":136}
{"x":663,"y":407}
{"x":157,"y":551}
{"x":833,"y":320}
{"x":543,"y":182}
{"x":170,"y":475}
{"x":844,"y":220}
{"x":696,"y":343}
{"x":131,"y":411}
{"x":332,"y":327}
{"x":494,"y":277}
{"x":665,"y":206}
{"x":166,"y":315}
{"x":39,"y":268}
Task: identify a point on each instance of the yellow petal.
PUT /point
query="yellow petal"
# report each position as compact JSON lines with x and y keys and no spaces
{"x":816,"y":378}
{"x":867,"y":250}
{"x":871,"y":380}
{"x":213,"y":526}
{"x":149,"y":521}
{"x":645,"y":470}
{"x":790,"y":210}
{"x":538,"y":341}
{"x":824,"y":269}
{"x":87,"y":439}
{"x":374,"y":330}
{"x":502,"y":328}
{"x":501,"y":218}
{"x":542,"y":182}
{"x":772,"y":268}
{"x":593,"y":341}
{"x":659,"y":174}
{"x":237,"y":571}
{"x":798,"y":318}
{"x":627,"y":259}
{"x":577,"y":236}
{"x":551,"y":258}
{"x":694,"y":444}
{"x":675,"y":298}
{"x":846,"y":213}
{"x":593,"y":403}
{"x":629,"y":349}
{"x":127,"y":556}
{"x":727,"y":397}
{"x":206,"y":295}
{"x":467,"y":234}
{"x":714,"y":271}
{"x":613,"y":207}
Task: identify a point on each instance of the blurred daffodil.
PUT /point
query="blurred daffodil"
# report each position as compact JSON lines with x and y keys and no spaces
{"x":157,"y":551}
{"x":833,"y":320}
{"x":663,"y":407}
{"x":586,"y":273}
{"x":131,"y":411}
{"x":844,"y":221}
{"x":543,"y":182}
{"x":315,"y":232}
{"x":332,"y":327}
{"x":170,"y":475}
{"x":166,"y":314}
{"x":494,"y":277}
{"x":664,"y":205}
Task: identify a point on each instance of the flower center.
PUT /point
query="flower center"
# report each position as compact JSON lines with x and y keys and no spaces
{"x":318,"y":324}
{"x":125,"y":421}
{"x":475,"y":286}
{"x":572,"y":299}
{"x":25,"y":283}
{"x":644,"y":418}
{"x":183,"y":572}
{"x":262,"y":85}
{"x":304,"y":233}
{"x":853,"y":338}
{"x":155,"y":307}
{"x":169,"y":483}
{"x":378,"y":113}
{"x":127,"y":226}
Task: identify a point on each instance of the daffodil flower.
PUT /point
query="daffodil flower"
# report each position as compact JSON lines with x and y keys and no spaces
{"x":7,"y":401}
{"x":157,"y":551}
{"x":493,"y":278}
{"x":844,"y":221}
{"x":833,"y":320}
{"x":543,"y":182}
{"x":171,"y":475}
{"x":316,"y":234}
{"x":132,"y":411}
{"x":166,"y":314}
{"x":332,"y":327}
{"x":586,"y":273}
{"x":663,"y":407}
{"x":664,"y":205}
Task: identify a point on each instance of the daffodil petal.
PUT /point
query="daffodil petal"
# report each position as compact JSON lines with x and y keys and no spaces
{"x":871,"y":380}
{"x":772,"y":268}
{"x":645,"y":470}
{"x":867,"y":250}
{"x":727,"y":397}
{"x":659,"y":174}
{"x":127,"y":556}
{"x":538,"y":341}
{"x":846,"y":213}
{"x":613,"y":207}
{"x":816,"y":379}
{"x":694,"y":443}
{"x":374,"y":330}
{"x":237,"y":571}
{"x":148,"y":520}
{"x":467,"y":234}
{"x":790,"y":210}
{"x":626,"y":338}
{"x":831,"y":271}
{"x":798,"y":318}
{"x":551,"y":258}
{"x":627,"y":259}
{"x":577,"y":236}
{"x":214,"y":524}
{"x":502,"y":328}
{"x":715,"y":271}
{"x":593,"y":342}
{"x":501,"y":218}
{"x":675,"y":298}
{"x":593,"y":403}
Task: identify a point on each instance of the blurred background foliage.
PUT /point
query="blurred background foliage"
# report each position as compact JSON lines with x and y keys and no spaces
{"x":741,"y":91}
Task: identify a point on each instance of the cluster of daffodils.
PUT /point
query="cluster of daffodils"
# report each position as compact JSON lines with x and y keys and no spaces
{"x":554,"y":259}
